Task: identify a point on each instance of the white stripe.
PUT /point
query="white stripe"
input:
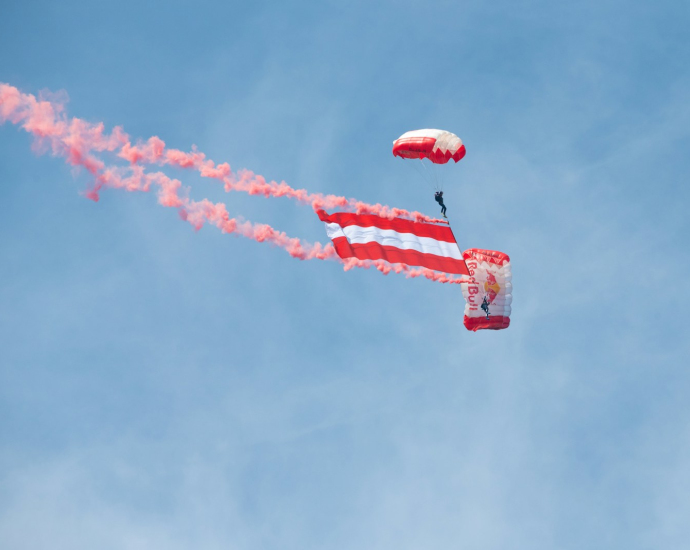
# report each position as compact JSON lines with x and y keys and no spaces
{"x":427,"y":132}
{"x":333,"y":230}
{"x":390,"y":237}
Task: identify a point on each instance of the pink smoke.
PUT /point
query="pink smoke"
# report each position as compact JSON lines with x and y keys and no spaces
{"x":78,"y":141}
{"x":153,"y":151}
{"x":197,"y":213}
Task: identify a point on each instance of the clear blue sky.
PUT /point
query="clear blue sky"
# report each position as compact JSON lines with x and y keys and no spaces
{"x":161,"y":388}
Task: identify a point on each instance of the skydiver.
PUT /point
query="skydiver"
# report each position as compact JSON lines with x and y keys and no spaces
{"x":485,"y":305}
{"x":438,"y":197}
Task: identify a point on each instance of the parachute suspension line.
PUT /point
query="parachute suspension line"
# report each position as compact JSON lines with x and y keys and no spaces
{"x":431,"y":174}
{"x":427,"y":176}
{"x":423,"y":172}
{"x":438,"y":170}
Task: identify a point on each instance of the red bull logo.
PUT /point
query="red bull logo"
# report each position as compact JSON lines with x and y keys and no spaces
{"x":491,"y":287}
{"x":473,"y":286}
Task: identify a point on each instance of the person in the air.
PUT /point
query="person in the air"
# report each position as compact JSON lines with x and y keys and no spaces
{"x":438,"y":197}
{"x":485,"y":305}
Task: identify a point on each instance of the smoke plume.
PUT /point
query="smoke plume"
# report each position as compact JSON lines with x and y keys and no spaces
{"x":83,"y":145}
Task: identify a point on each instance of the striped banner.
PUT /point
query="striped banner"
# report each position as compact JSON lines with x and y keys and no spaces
{"x":397,"y":241}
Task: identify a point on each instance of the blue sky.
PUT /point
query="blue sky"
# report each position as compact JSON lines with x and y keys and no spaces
{"x":161,"y":388}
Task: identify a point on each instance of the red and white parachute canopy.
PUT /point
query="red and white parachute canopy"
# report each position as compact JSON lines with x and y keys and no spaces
{"x":490,"y":277}
{"x":438,"y":146}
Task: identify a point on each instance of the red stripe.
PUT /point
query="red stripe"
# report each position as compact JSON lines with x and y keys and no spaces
{"x":411,"y":147}
{"x":489,"y":256}
{"x":419,"y":148}
{"x":494,"y":322}
{"x":375,"y":251}
{"x":442,"y":157}
{"x":421,"y":229}
{"x":460,"y":153}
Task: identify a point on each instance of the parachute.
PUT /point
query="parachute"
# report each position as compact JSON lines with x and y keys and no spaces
{"x":438,"y":147}
{"x":488,"y":293}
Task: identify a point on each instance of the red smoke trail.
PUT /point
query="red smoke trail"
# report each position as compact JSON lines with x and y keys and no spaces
{"x":76,"y":141}
{"x":153,"y":151}
{"x":197,"y":213}
{"x":46,"y":119}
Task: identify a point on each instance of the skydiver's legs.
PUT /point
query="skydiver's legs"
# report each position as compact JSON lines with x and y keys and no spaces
{"x":443,"y":209}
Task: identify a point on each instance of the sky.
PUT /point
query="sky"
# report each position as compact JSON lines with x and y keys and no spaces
{"x":162,"y":387}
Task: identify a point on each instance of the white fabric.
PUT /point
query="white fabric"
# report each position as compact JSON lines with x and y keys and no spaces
{"x":389,"y":237}
{"x":477,"y":289}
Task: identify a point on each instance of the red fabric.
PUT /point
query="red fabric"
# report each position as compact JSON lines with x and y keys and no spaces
{"x":391,"y":254}
{"x":421,"y":229}
{"x":422,"y":147}
{"x":413,"y":148}
{"x":489,"y":256}
{"x":492,"y":323}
